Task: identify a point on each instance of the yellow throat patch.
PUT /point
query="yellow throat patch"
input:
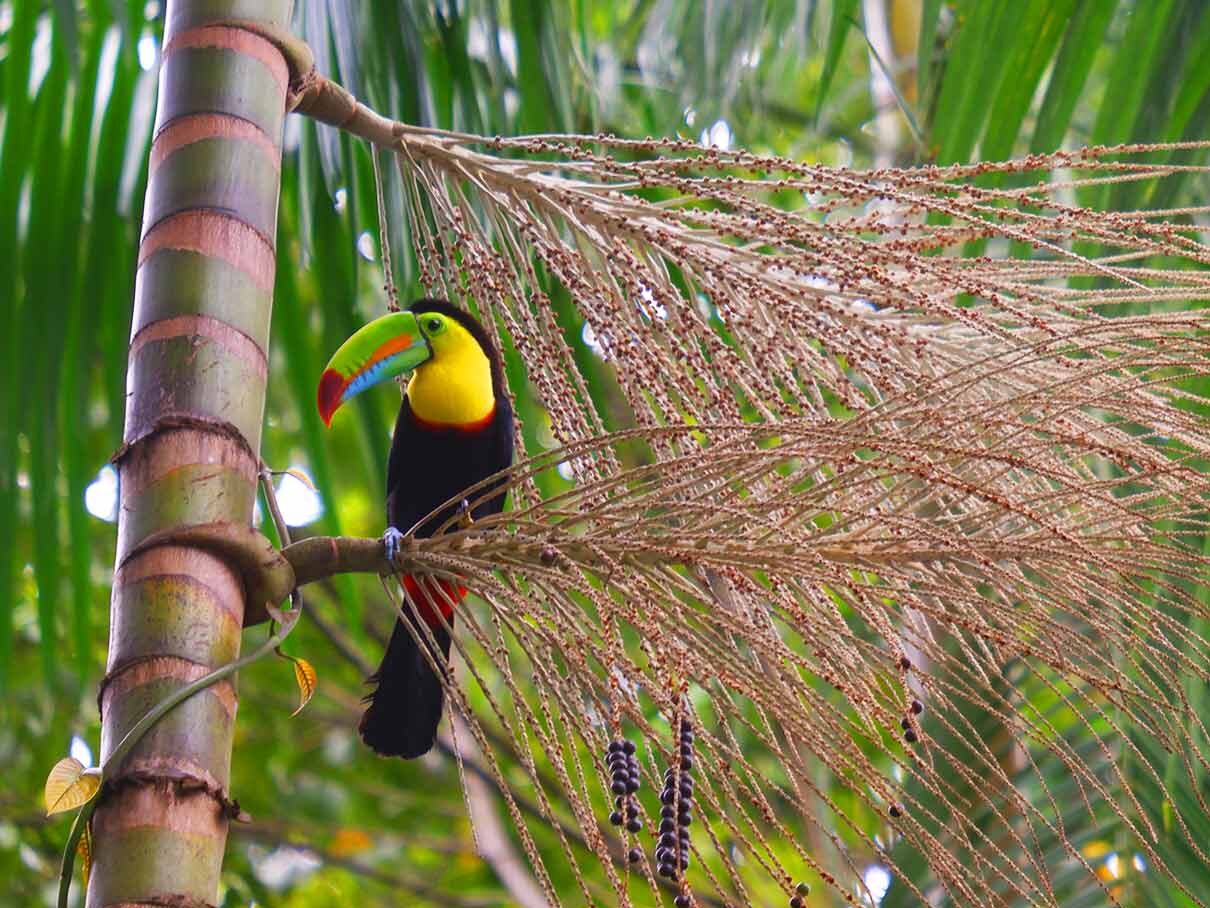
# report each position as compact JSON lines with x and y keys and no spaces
{"x":453,"y":388}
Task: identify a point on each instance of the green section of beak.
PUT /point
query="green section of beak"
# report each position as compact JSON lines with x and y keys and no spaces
{"x":386,"y":347}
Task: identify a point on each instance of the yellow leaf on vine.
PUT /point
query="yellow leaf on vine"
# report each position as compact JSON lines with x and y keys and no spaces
{"x":307,"y":680}
{"x":70,"y":785}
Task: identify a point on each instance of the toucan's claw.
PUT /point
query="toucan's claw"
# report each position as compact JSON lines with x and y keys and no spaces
{"x":465,"y":520}
{"x":392,"y":540}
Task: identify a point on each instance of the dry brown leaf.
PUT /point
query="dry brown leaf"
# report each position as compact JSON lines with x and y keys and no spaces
{"x":301,"y":477}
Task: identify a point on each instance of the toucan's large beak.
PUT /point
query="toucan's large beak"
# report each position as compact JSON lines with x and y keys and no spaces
{"x":384,"y":348}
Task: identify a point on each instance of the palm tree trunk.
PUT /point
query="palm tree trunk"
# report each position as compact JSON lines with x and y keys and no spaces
{"x":196,"y":388}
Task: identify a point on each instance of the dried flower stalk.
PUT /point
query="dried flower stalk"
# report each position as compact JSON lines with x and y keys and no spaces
{"x":880,"y":471}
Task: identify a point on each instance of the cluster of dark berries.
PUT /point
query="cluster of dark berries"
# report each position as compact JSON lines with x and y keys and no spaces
{"x":672,"y":853}
{"x":624,"y":782}
{"x":623,"y":767}
{"x":796,"y":901}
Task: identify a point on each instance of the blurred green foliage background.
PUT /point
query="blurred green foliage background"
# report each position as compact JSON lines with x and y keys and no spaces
{"x":842,"y":82}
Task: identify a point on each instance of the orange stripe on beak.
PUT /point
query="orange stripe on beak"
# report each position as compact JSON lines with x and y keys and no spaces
{"x":396,"y":344}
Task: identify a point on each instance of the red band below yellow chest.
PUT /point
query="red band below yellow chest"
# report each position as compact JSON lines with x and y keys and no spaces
{"x":469,"y":427}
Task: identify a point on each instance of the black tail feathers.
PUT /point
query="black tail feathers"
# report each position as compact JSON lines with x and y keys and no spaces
{"x":403,"y":713}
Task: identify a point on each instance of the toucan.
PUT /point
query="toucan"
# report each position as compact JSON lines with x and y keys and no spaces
{"x":454,"y":429}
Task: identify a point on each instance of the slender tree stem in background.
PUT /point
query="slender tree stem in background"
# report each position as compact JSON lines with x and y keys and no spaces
{"x":196,"y":377}
{"x":491,"y":835}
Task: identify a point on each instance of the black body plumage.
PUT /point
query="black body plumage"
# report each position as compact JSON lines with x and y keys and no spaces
{"x":428,"y":466}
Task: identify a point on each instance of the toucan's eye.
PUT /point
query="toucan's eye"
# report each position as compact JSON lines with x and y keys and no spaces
{"x":433,"y":326}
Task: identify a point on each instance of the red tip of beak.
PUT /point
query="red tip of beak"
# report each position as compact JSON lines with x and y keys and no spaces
{"x":331,"y":386}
